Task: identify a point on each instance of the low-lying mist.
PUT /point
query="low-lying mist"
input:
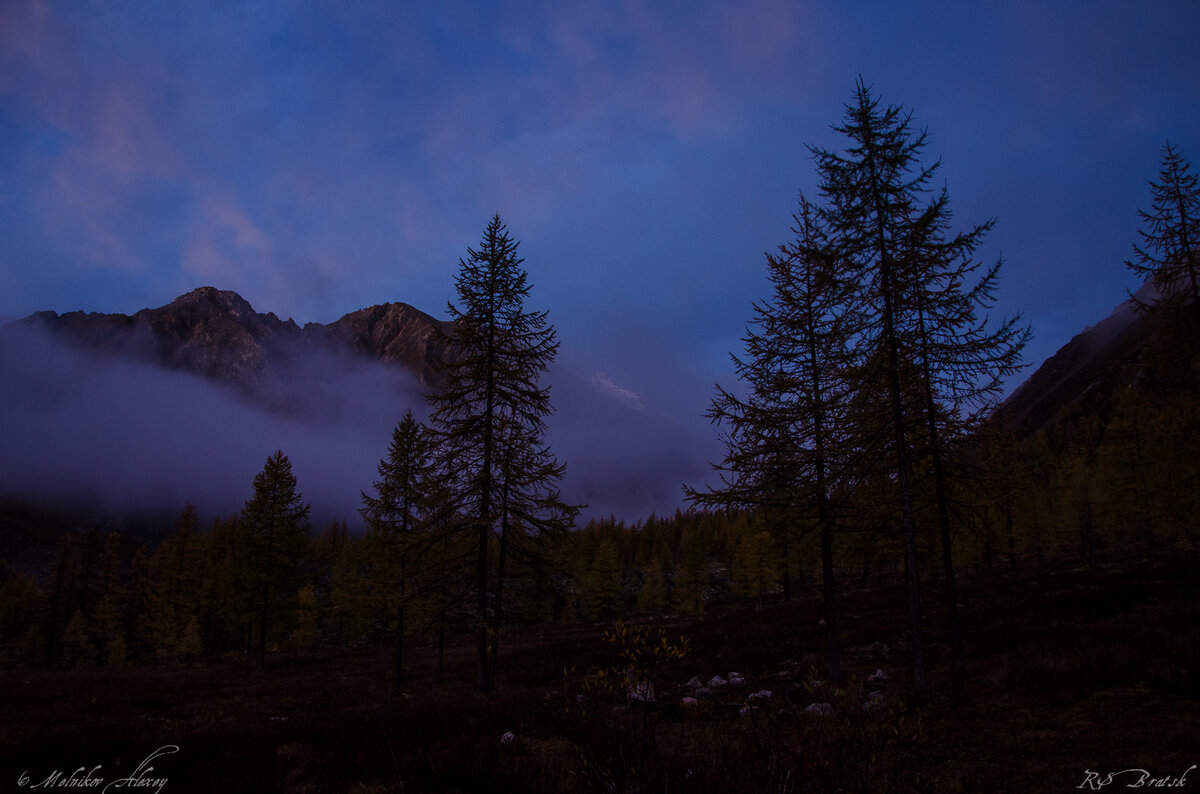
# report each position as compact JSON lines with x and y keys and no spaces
{"x":132,"y":436}
{"x":120,"y":435}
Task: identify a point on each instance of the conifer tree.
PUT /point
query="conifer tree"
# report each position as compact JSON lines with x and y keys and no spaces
{"x":873,"y":192}
{"x":923,"y":350}
{"x":395,"y":520}
{"x":490,"y":413}
{"x":1169,"y":254}
{"x":962,"y":362}
{"x":275,"y":521}
{"x":781,"y":439}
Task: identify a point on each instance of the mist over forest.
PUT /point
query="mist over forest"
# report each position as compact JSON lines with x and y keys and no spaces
{"x":120,"y":436}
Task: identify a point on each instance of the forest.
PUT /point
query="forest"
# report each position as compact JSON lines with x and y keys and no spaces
{"x":867,"y":451}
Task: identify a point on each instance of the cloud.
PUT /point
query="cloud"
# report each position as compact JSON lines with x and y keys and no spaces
{"x":134,"y":437}
{"x":120,"y":435}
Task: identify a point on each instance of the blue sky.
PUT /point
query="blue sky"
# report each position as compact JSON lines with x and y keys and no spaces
{"x":318,"y":157}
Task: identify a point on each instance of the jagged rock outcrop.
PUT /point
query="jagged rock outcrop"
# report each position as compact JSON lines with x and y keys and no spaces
{"x":390,"y":332}
{"x":218,"y":335}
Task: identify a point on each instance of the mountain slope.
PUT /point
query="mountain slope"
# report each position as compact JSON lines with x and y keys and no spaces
{"x":1081,"y":374}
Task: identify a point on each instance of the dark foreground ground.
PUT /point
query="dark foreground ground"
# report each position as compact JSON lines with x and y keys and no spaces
{"x":1074,"y":673}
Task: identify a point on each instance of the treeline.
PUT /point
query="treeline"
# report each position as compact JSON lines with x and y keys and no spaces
{"x":199,"y":594}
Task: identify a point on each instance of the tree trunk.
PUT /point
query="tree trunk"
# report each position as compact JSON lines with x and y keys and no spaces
{"x":398,"y":677}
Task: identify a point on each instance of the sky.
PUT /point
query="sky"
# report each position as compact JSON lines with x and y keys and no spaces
{"x":318,"y":157}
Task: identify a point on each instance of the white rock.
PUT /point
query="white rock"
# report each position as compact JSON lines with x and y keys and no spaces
{"x":737,"y":680}
{"x":717,"y":682}
{"x":820,"y":709}
{"x":762,"y":694}
{"x":878,"y":675}
{"x":690,"y":703}
{"x":694,"y":683}
{"x":508,"y":737}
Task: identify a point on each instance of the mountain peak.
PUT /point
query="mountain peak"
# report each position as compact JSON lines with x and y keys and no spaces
{"x":210,"y":301}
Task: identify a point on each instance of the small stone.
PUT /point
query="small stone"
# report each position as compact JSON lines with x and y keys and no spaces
{"x":703,"y":692}
{"x":762,"y":694}
{"x":690,"y":702}
{"x":717,"y":682}
{"x":694,"y":683}
{"x":819,"y":709}
{"x":508,"y":737}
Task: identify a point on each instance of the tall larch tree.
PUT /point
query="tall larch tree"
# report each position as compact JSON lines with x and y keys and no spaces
{"x":275,"y":522}
{"x":1169,"y":253}
{"x":873,"y":191}
{"x":926,"y":353}
{"x":962,"y":361}
{"x":395,"y":519}
{"x":781,"y":438}
{"x":490,"y":416}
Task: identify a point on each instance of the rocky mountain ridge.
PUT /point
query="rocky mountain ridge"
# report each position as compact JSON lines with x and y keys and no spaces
{"x":218,"y":335}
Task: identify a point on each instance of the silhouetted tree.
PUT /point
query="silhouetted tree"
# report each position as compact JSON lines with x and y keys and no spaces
{"x":275,"y":521}
{"x":962,"y":361}
{"x":874,"y":205}
{"x":1169,"y":254}
{"x":490,"y":412}
{"x":395,"y":520}
{"x":781,"y":439}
